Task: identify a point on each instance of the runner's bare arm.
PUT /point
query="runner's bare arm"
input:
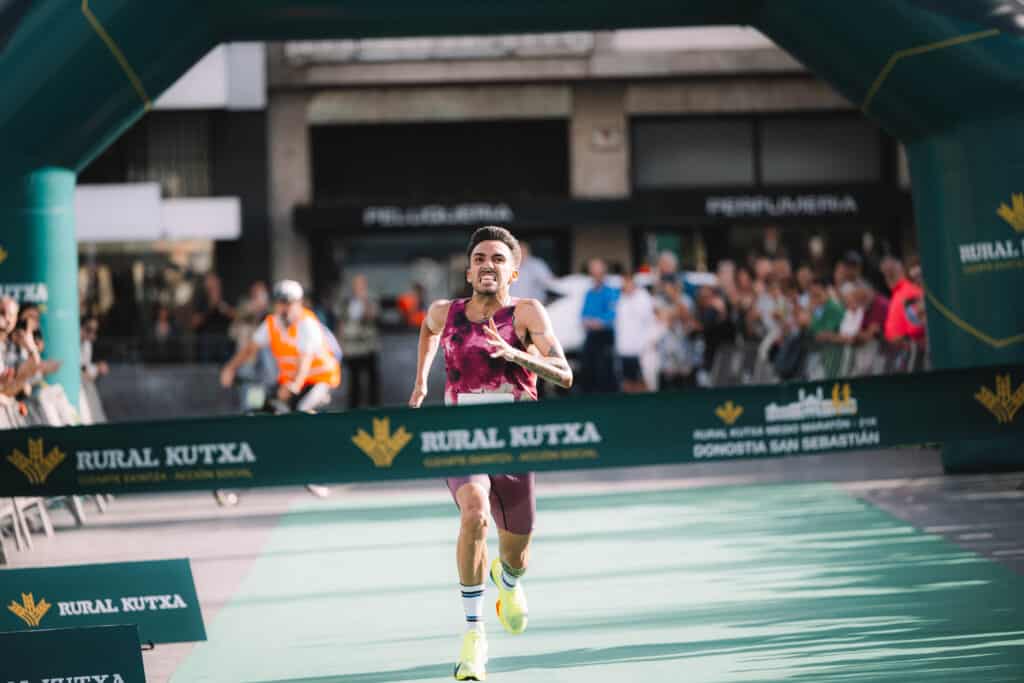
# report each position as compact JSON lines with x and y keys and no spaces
{"x":430,"y":338}
{"x":551,"y":365}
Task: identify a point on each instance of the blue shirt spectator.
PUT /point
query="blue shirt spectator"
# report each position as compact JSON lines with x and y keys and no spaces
{"x":598,"y":358}
{"x":599,"y":306}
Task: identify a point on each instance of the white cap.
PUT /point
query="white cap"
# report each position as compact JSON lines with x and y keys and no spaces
{"x":288,"y":290}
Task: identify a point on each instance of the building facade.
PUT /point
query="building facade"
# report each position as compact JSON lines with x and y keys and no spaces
{"x":710,"y":142}
{"x":321,"y":160}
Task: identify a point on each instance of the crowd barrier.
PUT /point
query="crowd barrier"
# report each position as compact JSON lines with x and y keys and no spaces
{"x":672,"y":427}
{"x":48,"y":406}
{"x":752,"y":362}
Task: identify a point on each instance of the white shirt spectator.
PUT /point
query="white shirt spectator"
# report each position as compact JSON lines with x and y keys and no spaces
{"x":851,"y":323}
{"x":88,"y":367}
{"x":634,"y":322}
{"x":309,"y":336}
{"x":534,"y":280}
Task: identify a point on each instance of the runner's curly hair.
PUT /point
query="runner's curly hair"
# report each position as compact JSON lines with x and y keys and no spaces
{"x":494,"y":233}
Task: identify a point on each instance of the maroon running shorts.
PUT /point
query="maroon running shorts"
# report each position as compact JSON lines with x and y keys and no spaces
{"x":513,"y":503}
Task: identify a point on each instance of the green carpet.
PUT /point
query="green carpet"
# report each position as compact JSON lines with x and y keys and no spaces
{"x":741,"y":584}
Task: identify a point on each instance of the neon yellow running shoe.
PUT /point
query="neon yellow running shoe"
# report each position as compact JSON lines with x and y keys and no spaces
{"x":511,"y":605}
{"x":472,"y":664}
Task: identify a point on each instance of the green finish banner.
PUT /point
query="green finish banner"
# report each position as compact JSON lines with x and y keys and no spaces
{"x":437,"y":441}
{"x":973,"y":190}
{"x":159,"y":597}
{"x":101,"y":654}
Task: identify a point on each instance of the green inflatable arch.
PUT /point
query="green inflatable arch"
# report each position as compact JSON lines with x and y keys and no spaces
{"x":943,"y":76}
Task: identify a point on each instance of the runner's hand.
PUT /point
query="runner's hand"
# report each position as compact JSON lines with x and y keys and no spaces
{"x":418,"y":394}
{"x":227,"y":377}
{"x":502,"y":349}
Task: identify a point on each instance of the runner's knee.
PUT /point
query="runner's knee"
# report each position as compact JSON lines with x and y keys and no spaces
{"x":474,"y":508}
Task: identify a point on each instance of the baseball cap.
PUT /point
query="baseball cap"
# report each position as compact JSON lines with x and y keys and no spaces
{"x":287,"y":291}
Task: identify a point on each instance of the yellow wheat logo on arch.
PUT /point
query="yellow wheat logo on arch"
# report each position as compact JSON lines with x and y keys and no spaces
{"x":28,"y":610}
{"x":36,"y":466}
{"x":1014,"y":215}
{"x":383,"y":446}
{"x":729,"y":412}
{"x":3,"y":254}
{"x":1004,"y":402}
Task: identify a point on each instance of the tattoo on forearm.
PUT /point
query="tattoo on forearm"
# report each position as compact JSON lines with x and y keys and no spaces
{"x":554,"y":367}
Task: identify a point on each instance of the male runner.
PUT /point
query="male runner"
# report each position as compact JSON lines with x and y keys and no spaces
{"x":486,"y":340}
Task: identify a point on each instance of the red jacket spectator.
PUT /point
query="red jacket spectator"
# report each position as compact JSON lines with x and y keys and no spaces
{"x":898,"y":325}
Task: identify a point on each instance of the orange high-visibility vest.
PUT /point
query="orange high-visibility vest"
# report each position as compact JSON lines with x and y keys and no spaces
{"x":325,"y":366}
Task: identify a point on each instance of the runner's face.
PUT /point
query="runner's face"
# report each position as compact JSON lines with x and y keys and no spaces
{"x":491,"y":268}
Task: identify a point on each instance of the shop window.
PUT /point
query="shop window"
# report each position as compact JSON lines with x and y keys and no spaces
{"x":171,"y":148}
{"x":673,"y":154}
{"x":820,"y":151}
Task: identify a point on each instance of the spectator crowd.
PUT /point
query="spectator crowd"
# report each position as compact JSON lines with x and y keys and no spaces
{"x":762,"y":319}
{"x":676,"y":331}
{"x":22,"y":368}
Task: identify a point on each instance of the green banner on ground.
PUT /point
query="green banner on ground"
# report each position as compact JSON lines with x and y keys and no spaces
{"x":100,"y":654}
{"x":605,"y":431}
{"x":159,"y":597}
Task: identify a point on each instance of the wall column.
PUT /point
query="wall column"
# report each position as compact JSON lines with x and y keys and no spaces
{"x":599,"y":166}
{"x":291,"y":184}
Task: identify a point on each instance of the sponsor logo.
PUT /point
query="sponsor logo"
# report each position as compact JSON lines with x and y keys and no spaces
{"x":36,"y":466}
{"x":998,"y":254}
{"x":184,"y":455}
{"x":840,"y":403}
{"x":28,"y":610}
{"x":728,"y":412}
{"x":1013,"y":215}
{"x":384,"y":446}
{"x":841,"y":396}
{"x":26,"y":292}
{"x":3,"y":254}
{"x":519,"y":436}
{"x":32,"y":612}
{"x":987,"y":252}
{"x":1004,"y":402}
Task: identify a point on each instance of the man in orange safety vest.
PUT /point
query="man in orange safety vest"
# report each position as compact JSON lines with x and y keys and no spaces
{"x":307,"y":369}
{"x":307,"y":366}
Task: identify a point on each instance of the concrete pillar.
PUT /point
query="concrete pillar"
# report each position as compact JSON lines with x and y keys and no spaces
{"x":599,"y":140}
{"x":599,"y":165}
{"x":291,"y":183}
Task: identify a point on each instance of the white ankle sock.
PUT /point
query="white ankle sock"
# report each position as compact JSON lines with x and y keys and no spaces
{"x":473,"y":604}
{"x":508,"y":580}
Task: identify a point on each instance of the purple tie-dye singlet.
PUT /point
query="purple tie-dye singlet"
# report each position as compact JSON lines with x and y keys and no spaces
{"x":467,"y":357}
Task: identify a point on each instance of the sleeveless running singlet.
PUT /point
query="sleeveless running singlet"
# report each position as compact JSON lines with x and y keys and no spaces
{"x":472,"y":375}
